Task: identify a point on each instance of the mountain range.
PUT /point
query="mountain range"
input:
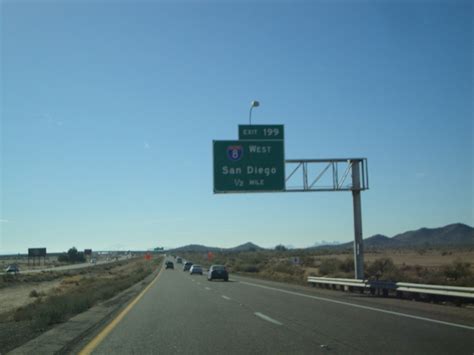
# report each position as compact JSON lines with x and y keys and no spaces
{"x":204,"y":249}
{"x":452,"y":235}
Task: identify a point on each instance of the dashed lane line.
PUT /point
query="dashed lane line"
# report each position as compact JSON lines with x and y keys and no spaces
{"x":267,"y":318}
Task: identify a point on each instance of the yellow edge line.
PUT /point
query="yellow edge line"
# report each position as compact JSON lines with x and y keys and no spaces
{"x":89,"y":348}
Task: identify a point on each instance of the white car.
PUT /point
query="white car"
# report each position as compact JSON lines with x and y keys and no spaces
{"x":196,"y":269}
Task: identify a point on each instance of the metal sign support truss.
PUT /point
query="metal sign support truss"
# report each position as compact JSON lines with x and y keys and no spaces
{"x":331,"y":175}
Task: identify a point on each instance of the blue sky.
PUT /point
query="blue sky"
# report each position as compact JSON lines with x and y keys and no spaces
{"x":109,"y":110}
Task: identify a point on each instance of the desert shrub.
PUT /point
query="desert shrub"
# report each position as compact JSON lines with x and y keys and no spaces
{"x":458,"y":270}
{"x":347,"y":265}
{"x":63,"y":258}
{"x":308,"y":261}
{"x":384,"y":269}
{"x":240,"y":267}
{"x":329,"y":266}
{"x":72,"y":256}
{"x":285,"y":268}
{"x":250,"y":268}
{"x":58,"y":308}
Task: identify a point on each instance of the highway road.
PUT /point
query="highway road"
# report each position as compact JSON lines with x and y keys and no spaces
{"x":184,"y":314}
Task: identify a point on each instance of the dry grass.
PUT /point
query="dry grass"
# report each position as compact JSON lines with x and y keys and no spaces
{"x":76,"y":293}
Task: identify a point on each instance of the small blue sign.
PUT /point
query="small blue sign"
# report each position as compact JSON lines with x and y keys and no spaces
{"x":235,"y":152}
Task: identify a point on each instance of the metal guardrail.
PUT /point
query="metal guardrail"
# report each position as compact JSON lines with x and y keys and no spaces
{"x":453,"y":291}
{"x":337,"y":282}
{"x":399,"y":287}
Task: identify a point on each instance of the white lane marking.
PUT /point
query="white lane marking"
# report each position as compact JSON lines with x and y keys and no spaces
{"x":362,"y":307}
{"x":207,"y":288}
{"x":226,"y":298}
{"x":267,"y":318}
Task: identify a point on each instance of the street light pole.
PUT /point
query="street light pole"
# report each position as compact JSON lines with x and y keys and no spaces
{"x":252,"y":105}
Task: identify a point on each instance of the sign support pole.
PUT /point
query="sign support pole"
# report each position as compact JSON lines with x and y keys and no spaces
{"x":358,"y":241}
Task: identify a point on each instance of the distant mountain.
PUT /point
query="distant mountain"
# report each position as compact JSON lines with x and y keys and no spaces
{"x":451,"y":235}
{"x":323,"y":243}
{"x":195,"y":248}
{"x":204,"y":249}
{"x":378,"y":240}
{"x":246,"y":247}
{"x":454,"y":235}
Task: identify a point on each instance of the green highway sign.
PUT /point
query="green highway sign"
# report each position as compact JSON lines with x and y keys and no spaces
{"x":249,"y":166}
{"x":265,"y":132}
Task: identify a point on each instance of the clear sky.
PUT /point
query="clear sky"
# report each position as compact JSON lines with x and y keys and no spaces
{"x":109,"y":110}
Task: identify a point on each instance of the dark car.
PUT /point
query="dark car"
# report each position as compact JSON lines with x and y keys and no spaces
{"x":218,"y":272}
{"x":169,"y":265}
{"x":179,"y":260}
{"x":187,"y":266}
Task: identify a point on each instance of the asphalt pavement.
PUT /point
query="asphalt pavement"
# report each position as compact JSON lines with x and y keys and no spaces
{"x":184,"y":314}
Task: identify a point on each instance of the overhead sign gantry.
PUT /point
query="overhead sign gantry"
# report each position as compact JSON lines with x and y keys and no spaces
{"x":256,"y":163}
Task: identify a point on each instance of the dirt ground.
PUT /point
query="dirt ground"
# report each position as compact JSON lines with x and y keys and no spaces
{"x":19,"y":295}
{"x":15,"y":295}
{"x":429,"y":258}
{"x":60,"y":295}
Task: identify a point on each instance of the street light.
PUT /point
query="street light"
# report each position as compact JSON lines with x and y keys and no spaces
{"x":252,"y":105}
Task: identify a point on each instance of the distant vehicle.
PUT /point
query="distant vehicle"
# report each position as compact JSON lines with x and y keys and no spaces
{"x":196,"y":269}
{"x":93,"y":260}
{"x":187,"y":266}
{"x":169,"y":265}
{"x":179,"y":260}
{"x":218,"y":272}
{"x":12,"y":269}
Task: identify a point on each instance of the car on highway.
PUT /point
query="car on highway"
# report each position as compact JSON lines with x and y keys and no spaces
{"x":196,"y":269}
{"x":179,"y":260}
{"x":12,"y":269}
{"x":217,"y":272}
{"x":187,"y":266}
{"x":169,"y":265}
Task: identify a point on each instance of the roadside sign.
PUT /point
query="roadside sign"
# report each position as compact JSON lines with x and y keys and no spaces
{"x":36,"y":252}
{"x":261,"y":132}
{"x":249,"y":166}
